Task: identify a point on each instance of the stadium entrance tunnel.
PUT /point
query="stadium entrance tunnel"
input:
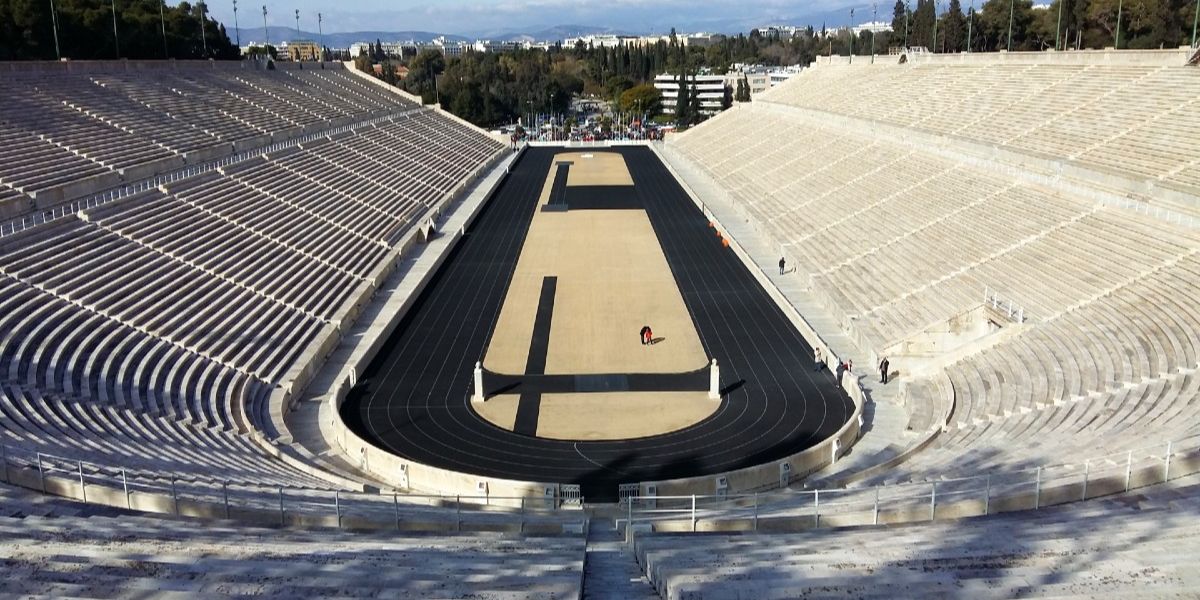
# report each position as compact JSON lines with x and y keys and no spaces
{"x":574,"y":395}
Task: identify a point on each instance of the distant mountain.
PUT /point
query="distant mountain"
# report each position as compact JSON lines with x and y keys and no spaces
{"x":340,"y":39}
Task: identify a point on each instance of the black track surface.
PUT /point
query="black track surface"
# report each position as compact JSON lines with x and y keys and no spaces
{"x":414,"y":400}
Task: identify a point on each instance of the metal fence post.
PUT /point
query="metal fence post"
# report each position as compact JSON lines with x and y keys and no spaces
{"x":522,"y":514}
{"x":629,"y":522}
{"x":225,"y":495}
{"x":1037,"y":490}
{"x":337,"y":506}
{"x":933,"y":501}
{"x":816,"y":508}
{"x":41,"y":472}
{"x":875,"y":511}
{"x":1128,"y":468}
{"x":1087,"y":468}
{"x":82,"y":485}
{"x":175,"y":496}
{"x":4,"y":459}
{"x":987,"y":495}
{"x":693,"y":513}
{"x":125,"y":486}
{"x":458,"y":513}
{"x":755,"y":511}
{"x":1167,"y":464}
{"x":281,"y":513}
{"x":396,"y":509}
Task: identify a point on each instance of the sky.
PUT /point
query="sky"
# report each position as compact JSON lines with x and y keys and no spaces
{"x":475,"y":17}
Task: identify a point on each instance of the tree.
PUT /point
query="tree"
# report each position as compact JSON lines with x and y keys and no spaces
{"x":953,"y":31}
{"x":422,"y":74}
{"x":727,"y":96}
{"x":641,"y":99}
{"x":85,"y":31}
{"x":899,"y":19}
{"x":683,"y":116}
{"x":743,"y":91}
{"x":262,"y":52}
{"x":922,"y":24}
{"x":994,"y":24}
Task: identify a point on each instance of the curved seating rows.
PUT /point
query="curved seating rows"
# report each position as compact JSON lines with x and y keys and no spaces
{"x":893,"y":237}
{"x":896,"y":239}
{"x":160,"y":312}
{"x":1094,"y":114}
{"x":148,"y":447}
{"x":69,"y":126}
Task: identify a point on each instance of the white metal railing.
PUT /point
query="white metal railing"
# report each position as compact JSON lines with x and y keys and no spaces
{"x":30,"y":221}
{"x":1156,"y":212}
{"x":1015,"y":312}
{"x":48,"y":473}
{"x":1026,"y":488}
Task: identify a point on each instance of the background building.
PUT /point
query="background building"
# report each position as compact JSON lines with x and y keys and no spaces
{"x":302,"y":50}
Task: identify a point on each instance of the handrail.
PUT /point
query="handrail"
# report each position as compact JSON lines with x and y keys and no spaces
{"x":160,"y":492}
{"x":1029,"y":487}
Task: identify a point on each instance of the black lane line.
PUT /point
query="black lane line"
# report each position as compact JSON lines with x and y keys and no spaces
{"x":602,"y":197}
{"x":693,"y":381}
{"x":539,"y":346}
{"x":414,"y":399}
{"x":558,"y":191}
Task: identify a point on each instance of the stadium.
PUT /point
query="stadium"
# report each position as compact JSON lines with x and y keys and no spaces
{"x":923,"y":325}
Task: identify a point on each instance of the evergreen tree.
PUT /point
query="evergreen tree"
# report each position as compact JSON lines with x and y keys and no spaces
{"x":85,"y":31}
{"x":682,"y":103}
{"x":899,"y":19}
{"x":953,"y":31}
{"x":922,"y":24}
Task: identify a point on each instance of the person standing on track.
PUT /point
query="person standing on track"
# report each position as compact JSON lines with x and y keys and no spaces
{"x":782,"y":264}
{"x":817,"y":359}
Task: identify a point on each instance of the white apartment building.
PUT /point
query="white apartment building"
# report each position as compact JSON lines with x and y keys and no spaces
{"x":710,"y":90}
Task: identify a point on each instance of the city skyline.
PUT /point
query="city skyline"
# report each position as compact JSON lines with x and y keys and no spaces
{"x":476,"y":18}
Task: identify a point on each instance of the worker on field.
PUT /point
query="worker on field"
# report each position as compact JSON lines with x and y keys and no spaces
{"x":782,"y":264}
{"x":644,"y":334}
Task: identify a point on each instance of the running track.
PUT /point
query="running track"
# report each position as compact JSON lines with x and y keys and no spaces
{"x":414,"y":400}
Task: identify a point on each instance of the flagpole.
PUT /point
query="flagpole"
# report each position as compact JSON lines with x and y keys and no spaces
{"x":852,"y":36}
{"x":203,"y":32}
{"x":1195,"y":22}
{"x":58,"y":52}
{"x":1011,"y":7}
{"x":970,"y":22}
{"x":874,"y":18}
{"x":162,"y":22}
{"x":935,"y":19}
{"x":1120,"y":5}
{"x":116,"y":40}
{"x":1058,"y":28}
